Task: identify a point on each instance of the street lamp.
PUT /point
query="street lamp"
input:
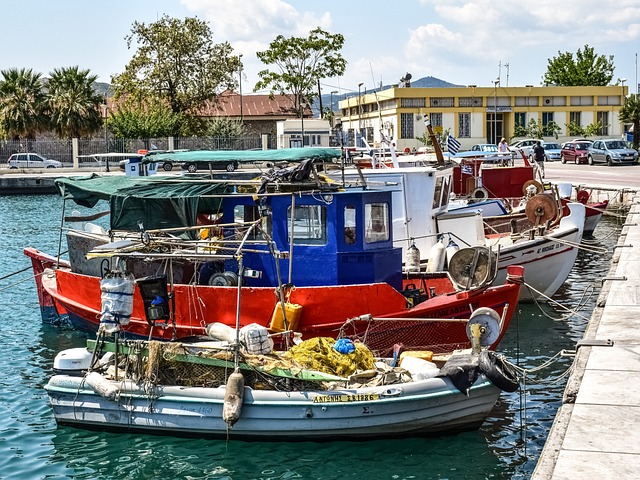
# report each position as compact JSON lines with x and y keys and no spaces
{"x":302,"y":107}
{"x":240,"y":83}
{"x":105,"y":114}
{"x":331,"y":103}
{"x":496,"y":82}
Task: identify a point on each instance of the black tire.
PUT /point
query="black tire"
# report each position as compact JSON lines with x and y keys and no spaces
{"x":501,"y":373}
{"x":230,"y":167}
{"x":590,"y":160}
{"x":167,"y":167}
{"x":609,"y":162}
{"x":562,"y":159}
{"x":192,"y":168}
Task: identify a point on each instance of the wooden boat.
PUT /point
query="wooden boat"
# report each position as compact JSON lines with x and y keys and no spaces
{"x":326,"y":276}
{"x":547,"y":246}
{"x":139,"y":389}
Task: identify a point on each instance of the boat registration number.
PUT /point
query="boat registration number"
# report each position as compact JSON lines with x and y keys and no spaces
{"x":345,"y":398}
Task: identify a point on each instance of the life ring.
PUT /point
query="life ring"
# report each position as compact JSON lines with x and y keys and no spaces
{"x":480,"y":194}
{"x":582,"y":196}
{"x":501,"y":373}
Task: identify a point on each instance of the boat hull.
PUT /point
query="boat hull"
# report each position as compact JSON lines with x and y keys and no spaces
{"x":417,"y":408}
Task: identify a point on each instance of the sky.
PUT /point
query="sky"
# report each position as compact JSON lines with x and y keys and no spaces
{"x":465,"y":42}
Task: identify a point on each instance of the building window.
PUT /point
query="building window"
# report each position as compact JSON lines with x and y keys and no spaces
{"x":368,"y":131}
{"x":464,"y":125}
{"x":441,"y":102}
{"x":406,"y":125}
{"x":435,"y":119}
{"x":547,"y":117}
{"x":526,"y":101}
{"x":413,"y":102}
{"x":580,"y":101}
{"x":603,"y":119}
{"x":520,"y":119}
{"x":609,"y":100}
{"x":470,"y":102}
{"x":575,"y":117}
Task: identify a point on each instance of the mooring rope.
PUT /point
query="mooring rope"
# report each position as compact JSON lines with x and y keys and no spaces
{"x":586,"y":295}
{"x":579,"y":246}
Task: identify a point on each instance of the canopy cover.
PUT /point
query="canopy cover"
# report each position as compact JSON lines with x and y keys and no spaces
{"x":157,"y":201}
{"x":245,"y":156}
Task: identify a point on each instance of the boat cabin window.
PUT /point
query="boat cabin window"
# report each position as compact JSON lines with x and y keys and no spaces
{"x":246,"y":214}
{"x":309,"y":225}
{"x":350,"y":225}
{"x":437,"y":192}
{"x":376,"y":217}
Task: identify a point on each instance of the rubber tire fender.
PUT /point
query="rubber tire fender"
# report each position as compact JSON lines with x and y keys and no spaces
{"x":501,"y":374}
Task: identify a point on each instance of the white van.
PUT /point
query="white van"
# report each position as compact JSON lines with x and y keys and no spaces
{"x":31,"y":160}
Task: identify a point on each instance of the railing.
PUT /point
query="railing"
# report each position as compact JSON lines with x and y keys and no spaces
{"x":62,"y":150}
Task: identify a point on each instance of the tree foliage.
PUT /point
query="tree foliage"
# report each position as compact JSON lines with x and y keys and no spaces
{"x":144,"y":121}
{"x":74,"y":105}
{"x":630,"y":113}
{"x":586,"y":69}
{"x":300,"y":64}
{"x":23,"y":104}
{"x":178,"y":64}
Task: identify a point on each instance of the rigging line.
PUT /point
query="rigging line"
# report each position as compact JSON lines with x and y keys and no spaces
{"x":579,"y":246}
{"x":25,"y":269}
{"x":20,"y":281}
{"x":549,"y":299}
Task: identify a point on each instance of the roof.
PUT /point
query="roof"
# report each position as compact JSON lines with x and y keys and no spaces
{"x":253,"y":105}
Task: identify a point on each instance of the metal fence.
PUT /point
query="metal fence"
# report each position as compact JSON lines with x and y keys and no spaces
{"x":62,"y":150}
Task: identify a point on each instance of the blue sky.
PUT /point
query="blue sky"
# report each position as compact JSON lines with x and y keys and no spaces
{"x":461,"y":41}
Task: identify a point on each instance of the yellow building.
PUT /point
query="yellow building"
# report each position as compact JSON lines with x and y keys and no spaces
{"x":477,"y":114}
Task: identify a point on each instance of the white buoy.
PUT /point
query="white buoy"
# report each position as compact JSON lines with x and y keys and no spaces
{"x":451,"y":249}
{"x":233,"y":398}
{"x":412,"y":263}
{"x":436,"y":257}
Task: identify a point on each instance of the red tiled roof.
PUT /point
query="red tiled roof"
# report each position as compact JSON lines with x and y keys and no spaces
{"x":253,"y":105}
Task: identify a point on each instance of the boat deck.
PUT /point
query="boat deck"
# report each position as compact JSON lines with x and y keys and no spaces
{"x":596,"y":433}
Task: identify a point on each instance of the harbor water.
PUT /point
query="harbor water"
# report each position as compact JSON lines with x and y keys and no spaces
{"x":507,"y":446}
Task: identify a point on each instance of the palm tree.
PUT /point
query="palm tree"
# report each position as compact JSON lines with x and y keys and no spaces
{"x":22,"y":104}
{"x":630,"y":113}
{"x":74,"y":105}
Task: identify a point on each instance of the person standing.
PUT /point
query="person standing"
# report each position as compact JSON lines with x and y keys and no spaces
{"x":538,"y":156}
{"x":503,"y":146}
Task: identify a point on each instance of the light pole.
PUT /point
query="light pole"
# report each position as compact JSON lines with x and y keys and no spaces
{"x":240,"y":84}
{"x":105,"y":114}
{"x":496,"y":82}
{"x":302,"y":107}
{"x":331,"y":103}
{"x":359,"y":113}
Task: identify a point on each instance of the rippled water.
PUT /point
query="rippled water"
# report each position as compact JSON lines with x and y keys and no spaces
{"x":33,"y":447}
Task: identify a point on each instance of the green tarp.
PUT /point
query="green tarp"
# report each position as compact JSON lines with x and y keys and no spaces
{"x":157,"y":201}
{"x":246,"y":156}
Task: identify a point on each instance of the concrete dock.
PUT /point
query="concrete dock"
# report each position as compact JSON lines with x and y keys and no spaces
{"x":596,"y":432}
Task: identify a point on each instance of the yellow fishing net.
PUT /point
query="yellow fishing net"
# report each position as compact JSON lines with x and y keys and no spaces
{"x":318,"y":354}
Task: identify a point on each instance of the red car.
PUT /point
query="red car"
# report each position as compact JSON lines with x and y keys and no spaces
{"x":575,"y":151}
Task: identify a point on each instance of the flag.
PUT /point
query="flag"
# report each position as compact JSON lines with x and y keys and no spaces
{"x":452,"y":144}
{"x":466,"y":169}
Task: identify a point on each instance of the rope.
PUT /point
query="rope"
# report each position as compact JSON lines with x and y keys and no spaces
{"x":20,"y":281}
{"x":526,"y":373}
{"x":581,"y":304}
{"x":579,"y":246}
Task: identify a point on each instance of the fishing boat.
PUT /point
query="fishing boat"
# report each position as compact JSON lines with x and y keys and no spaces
{"x":546,"y":243}
{"x":175,"y":241}
{"x":206,"y":389}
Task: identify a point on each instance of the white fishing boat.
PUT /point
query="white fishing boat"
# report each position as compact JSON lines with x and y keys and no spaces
{"x":260,"y":397}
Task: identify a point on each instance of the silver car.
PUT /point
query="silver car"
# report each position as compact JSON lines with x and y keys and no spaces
{"x":612,"y":152}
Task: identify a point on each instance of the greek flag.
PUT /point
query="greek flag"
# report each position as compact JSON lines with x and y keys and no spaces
{"x":452,"y":145}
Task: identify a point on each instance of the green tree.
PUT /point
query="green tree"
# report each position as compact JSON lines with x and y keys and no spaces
{"x":538,"y":130}
{"x":74,"y":106}
{"x":178,"y":64}
{"x":630,"y":113}
{"x":586,"y":69}
{"x":301,"y":63}
{"x":144,"y":122}
{"x":22,"y":104}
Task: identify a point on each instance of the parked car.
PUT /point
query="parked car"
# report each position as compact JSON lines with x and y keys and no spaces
{"x":193,"y":167}
{"x":485,"y":147}
{"x":551,"y":151}
{"x":575,"y":151}
{"x":612,"y":152}
{"x":31,"y":160}
{"x":525,"y":145}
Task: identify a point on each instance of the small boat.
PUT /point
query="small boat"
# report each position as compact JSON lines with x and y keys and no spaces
{"x":179,"y":238}
{"x":197,"y":389}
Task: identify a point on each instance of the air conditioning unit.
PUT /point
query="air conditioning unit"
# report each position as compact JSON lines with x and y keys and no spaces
{"x":547,"y":101}
{"x":434,"y":103}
